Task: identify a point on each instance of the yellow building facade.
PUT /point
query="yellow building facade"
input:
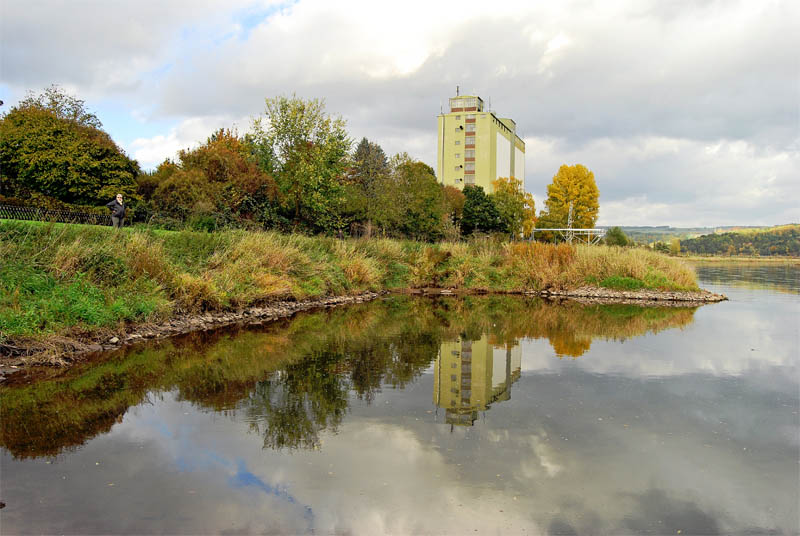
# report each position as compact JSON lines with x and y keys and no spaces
{"x":477,"y":147}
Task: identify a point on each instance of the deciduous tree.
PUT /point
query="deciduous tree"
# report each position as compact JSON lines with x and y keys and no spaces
{"x":572,"y":186}
{"x":615,"y":237}
{"x":480,"y":213}
{"x":306,"y":151}
{"x":515,"y":205}
{"x":409,"y":201}
{"x":51,"y":145}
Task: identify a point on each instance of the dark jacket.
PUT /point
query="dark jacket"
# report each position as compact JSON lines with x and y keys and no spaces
{"x":117,"y":209}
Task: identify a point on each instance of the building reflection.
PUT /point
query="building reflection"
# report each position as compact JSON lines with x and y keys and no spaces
{"x":471,"y":375}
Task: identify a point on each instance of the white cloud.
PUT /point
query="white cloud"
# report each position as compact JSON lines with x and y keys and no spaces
{"x":676,"y":181}
{"x":150,"y":152}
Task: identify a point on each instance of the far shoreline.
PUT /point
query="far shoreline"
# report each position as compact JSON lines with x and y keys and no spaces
{"x":741,"y":259}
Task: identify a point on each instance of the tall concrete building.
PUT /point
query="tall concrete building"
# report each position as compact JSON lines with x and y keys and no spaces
{"x":476,"y":146}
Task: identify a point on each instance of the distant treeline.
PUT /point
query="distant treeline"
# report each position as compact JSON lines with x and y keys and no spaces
{"x":783,"y":240}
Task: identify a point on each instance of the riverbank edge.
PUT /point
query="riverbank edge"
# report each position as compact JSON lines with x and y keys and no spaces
{"x":60,"y":351}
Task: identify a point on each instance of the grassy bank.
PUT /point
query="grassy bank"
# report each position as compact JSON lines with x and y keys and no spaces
{"x":61,"y":279}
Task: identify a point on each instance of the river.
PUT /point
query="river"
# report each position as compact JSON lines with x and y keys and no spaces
{"x":481,"y":415}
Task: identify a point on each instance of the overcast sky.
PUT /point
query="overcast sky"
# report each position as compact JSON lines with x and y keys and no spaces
{"x":688,"y":113}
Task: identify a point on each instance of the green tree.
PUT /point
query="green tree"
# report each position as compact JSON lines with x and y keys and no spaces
{"x":515,"y":205}
{"x":369,"y":169}
{"x":51,"y":145}
{"x":420,"y":199}
{"x":63,"y":105}
{"x":616,"y":237}
{"x":369,"y":166}
{"x":480,"y":213}
{"x":306,"y":151}
{"x":674,"y":246}
{"x":572,"y":186}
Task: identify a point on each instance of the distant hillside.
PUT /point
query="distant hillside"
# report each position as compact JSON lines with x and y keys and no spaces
{"x":664,"y":233}
{"x":781,"y":240}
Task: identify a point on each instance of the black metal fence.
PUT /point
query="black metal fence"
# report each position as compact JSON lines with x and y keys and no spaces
{"x":10,"y":212}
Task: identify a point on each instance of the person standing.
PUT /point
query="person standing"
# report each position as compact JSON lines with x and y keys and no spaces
{"x":117,"y":211}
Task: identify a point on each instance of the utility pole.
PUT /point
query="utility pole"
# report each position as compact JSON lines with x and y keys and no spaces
{"x":570,"y":232}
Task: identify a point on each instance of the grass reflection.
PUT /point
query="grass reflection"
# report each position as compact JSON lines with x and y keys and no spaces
{"x":294,"y":378}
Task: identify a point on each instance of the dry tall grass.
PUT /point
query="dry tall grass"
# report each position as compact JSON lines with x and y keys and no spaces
{"x":234,"y":269}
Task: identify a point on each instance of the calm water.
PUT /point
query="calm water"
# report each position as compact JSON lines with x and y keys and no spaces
{"x":491,"y":415}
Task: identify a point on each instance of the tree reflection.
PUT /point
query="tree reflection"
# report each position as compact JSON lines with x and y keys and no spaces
{"x":295,"y":378}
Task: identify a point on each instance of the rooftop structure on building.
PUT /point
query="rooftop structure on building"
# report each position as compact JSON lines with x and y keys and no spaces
{"x":477,"y":147}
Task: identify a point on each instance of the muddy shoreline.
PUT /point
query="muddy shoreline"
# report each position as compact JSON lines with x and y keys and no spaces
{"x":61,"y":351}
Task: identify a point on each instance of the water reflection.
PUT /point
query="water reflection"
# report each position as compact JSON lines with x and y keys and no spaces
{"x":294,"y":378}
{"x":469,"y":376}
{"x":325,"y":424}
{"x":782,"y":277}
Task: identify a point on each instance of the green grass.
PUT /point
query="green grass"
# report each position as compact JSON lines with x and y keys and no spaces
{"x":60,"y":277}
{"x":622,"y":283}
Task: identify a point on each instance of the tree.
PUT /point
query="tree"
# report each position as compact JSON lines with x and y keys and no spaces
{"x":419,"y":198}
{"x":369,"y":166}
{"x":306,"y":151}
{"x":64,"y":106}
{"x":368,"y":171}
{"x":480,"y":213}
{"x":674,"y":246}
{"x":615,"y":237}
{"x":454,"y":203}
{"x":51,"y":145}
{"x":515,"y":205}
{"x":221,"y":176}
{"x":572,"y":186}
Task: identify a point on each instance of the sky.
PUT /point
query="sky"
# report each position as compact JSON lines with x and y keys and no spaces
{"x":688,"y":113}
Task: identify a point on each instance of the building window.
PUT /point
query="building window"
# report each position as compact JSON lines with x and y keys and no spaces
{"x":458,"y":168}
{"x":459,"y":129}
{"x":458,"y":155}
{"x":470,"y":140}
{"x":470,"y":116}
{"x":469,"y":153}
{"x":470,"y":127}
{"x":470,"y":180}
{"x":458,"y":142}
{"x":469,"y":166}
{"x":458,"y":117}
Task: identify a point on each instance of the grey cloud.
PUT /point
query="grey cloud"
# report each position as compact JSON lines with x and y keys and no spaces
{"x":658,"y":513}
{"x":692,"y":72}
{"x":102,"y":46}
{"x":639,"y":75}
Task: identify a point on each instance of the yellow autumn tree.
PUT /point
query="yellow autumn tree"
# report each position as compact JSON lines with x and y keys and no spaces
{"x":515,"y":205}
{"x":572,"y":186}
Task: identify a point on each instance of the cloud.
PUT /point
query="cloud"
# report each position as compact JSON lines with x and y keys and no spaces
{"x":638,"y":90}
{"x":150,"y":152}
{"x":676,"y":181}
